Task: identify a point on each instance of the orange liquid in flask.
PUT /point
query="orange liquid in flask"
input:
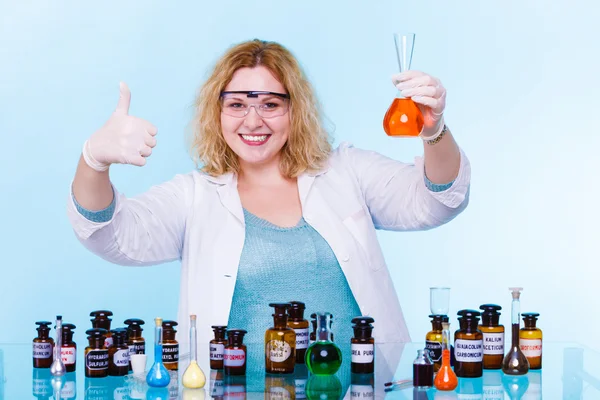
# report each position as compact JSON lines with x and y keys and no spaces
{"x":445,"y":378}
{"x":403,"y":118}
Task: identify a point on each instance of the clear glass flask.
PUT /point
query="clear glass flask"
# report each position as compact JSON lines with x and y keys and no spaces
{"x":403,"y":117}
{"x":158,"y":376}
{"x":323,"y":357}
{"x":193,"y":377}
{"x":58,"y":367}
{"x":515,"y":362}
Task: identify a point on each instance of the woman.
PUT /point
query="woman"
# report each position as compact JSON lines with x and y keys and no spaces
{"x":275,"y":214}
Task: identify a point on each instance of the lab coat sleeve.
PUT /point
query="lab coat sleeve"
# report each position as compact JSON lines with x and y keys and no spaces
{"x":396,"y":195}
{"x":144,"y":230}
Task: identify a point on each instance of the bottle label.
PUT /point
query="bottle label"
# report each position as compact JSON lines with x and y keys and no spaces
{"x":362,"y":353}
{"x":137,"y":348}
{"x":468,"y":350}
{"x":301,"y":338}
{"x":216,"y":351}
{"x":68,"y":391}
{"x":170,"y":353}
{"x":300,"y":385}
{"x":362,"y":392}
{"x":108,"y":342}
{"x":434,"y":350}
{"x":96,"y":360}
{"x":234,"y":357}
{"x":531,"y":347}
{"x":42,"y":350}
{"x":493,"y":343}
{"x":493,"y":392}
{"x":121,"y":358}
{"x":278,"y":350}
{"x":278,"y":393}
{"x":68,"y":355}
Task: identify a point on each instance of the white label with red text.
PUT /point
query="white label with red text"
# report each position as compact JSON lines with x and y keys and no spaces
{"x":362,"y":353}
{"x":68,"y":355}
{"x":531,"y":347}
{"x":468,"y":350}
{"x":234,"y":357}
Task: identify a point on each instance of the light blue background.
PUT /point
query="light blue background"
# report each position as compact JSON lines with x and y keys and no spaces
{"x":522,"y":102}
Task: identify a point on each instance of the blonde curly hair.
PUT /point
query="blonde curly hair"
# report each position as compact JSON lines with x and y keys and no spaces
{"x":308,"y":146}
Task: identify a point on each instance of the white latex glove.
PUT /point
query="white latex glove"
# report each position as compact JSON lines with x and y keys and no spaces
{"x":123,"y":139}
{"x":430,"y":96}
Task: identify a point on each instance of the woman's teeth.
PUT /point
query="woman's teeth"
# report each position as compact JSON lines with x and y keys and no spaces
{"x":254,"y":138}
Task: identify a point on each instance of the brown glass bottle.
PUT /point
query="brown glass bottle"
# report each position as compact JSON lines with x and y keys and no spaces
{"x":118,"y":353}
{"x":280,"y":343}
{"x":135,"y":341}
{"x":101,"y":320}
{"x":362,"y":346}
{"x":68,"y":351}
{"x":433,"y":341}
{"x":530,"y":340}
{"x":96,"y":355}
{"x":468,"y":346}
{"x":300,"y":325}
{"x":217,"y":346}
{"x":170,"y":348}
{"x":234,"y":355}
{"x":493,"y":336}
{"x":43,"y":346}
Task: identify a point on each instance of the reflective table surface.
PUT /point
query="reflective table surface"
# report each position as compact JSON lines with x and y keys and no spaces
{"x":569,"y":372}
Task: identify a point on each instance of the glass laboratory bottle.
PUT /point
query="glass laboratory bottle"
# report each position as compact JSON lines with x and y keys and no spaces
{"x":170,"y":348}
{"x":158,"y":376}
{"x":515,"y":362}
{"x":323,"y":357}
{"x":217,"y":346}
{"x":493,"y":336}
{"x":57,"y":368}
{"x":422,"y":370}
{"x":403,"y":117}
{"x":362,"y":346}
{"x":193,"y":377}
{"x":43,"y":346}
{"x":280,"y":343}
{"x":101,"y":320}
{"x":530,"y":339}
{"x":297,"y":322}
{"x":468,"y":346}
{"x":234,"y":354}
{"x":135,"y":341}
{"x":118,"y":353}
{"x":433,"y":341}
{"x":96,"y":355}
{"x":445,"y":379}
{"x":68,"y":352}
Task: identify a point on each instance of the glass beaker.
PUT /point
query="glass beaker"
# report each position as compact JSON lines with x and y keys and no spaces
{"x":403,"y":117}
{"x":439,"y":300}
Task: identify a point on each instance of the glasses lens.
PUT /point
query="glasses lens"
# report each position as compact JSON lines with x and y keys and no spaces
{"x":266,"y":105}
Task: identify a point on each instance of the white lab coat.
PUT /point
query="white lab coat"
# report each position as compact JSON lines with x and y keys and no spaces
{"x":198,"y":219}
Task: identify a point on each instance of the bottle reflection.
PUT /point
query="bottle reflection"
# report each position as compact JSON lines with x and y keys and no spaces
{"x":193,"y":394}
{"x":515,"y":385}
{"x":323,"y":387}
{"x":216,"y":386}
{"x":69,"y":389}
{"x":300,"y":379}
{"x":117,"y":387}
{"x":41,"y":386}
{"x":234,"y":387}
{"x":362,"y":386}
{"x":534,"y":391}
{"x":173,"y":385}
{"x":97,"y":389}
{"x":136,"y":387}
{"x":280,"y":387}
{"x":470,"y":388}
{"x":492,"y":385}
{"x":422,"y":393}
{"x":156,"y":393}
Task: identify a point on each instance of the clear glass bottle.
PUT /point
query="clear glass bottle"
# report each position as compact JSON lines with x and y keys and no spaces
{"x":422,"y":370}
{"x":68,"y":352}
{"x":300,"y":325}
{"x":58,"y":367}
{"x":433,"y":341}
{"x":445,"y":379}
{"x":515,"y":362}
{"x":158,"y":376}
{"x":118,"y":353}
{"x":43,"y":346}
{"x":493,"y":336}
{"x":323,"y":357}
{"x":468,"y":346}
{"x":217,"y":346}
{"x":234,"y":356}
{"x":170,"y":346}
{"x":530,"y":339}
{"x":101,"y":320}
{"x":280,"y":343}
{"x":193,"y":377}
{"x":96,"y":355}
{"x":362,"y":346}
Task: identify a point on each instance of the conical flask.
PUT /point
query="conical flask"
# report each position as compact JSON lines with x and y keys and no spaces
{"x":403,"y":117}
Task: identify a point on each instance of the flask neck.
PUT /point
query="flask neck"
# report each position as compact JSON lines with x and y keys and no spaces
{"x":323,"y":332}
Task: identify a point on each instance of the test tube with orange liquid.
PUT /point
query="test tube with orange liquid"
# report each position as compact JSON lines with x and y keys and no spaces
{"x":403,"y":118}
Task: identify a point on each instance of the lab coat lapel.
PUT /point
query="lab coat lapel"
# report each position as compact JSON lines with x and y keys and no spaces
{"x":229,"y":195}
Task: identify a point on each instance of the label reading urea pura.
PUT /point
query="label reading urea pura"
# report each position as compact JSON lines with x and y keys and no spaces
{"x":68,"y":355}
{"x":531,"y":347}
{"x":137,"y":348}
{"x":362,"y":353}
{"x":97,"y":360}
{"x":121,"y":358}
{"x":301,"y":338}
{"x":170,"y":353}
{"x":234,"y":357}
{"x":278,"y":350}
{"x":434,"y":349}
{"x":216,"y":351}
{"x":493,"y":343}
{"x":42,"y":350}
{"x":468,"y":350}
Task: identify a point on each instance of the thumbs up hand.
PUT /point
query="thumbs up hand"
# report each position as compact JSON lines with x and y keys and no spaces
{"x":123,"y":139}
